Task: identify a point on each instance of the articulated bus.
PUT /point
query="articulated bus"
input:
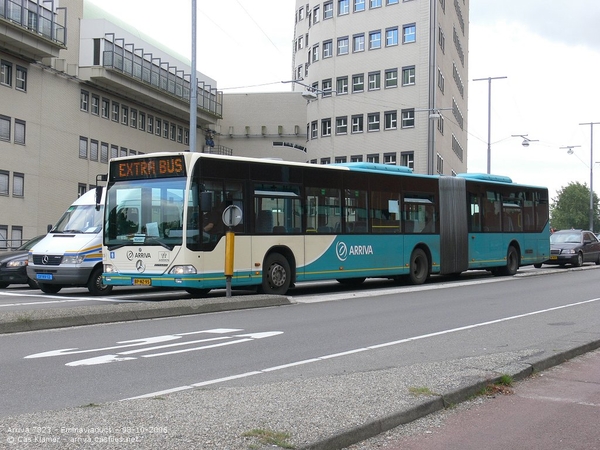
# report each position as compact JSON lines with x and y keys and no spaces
{"x":302,"y":222}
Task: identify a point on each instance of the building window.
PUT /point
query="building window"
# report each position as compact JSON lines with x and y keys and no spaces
{"x":326,"y":127}
{"x":327,"y":87}
{"x":125,"y":115}
{"x":409,"y":33}
{"x":389,"y":158}
{"x":391,"y":2}
{"x":19,"y":132}
{"x":314,"y":129}
{"x":359,"y":5}
{"x":341,"y":125}
{"x":358,"y":43}
{"x":374,"y":40}
{"x":342,"y":85}
{"x":357,"y":123}
{"x":84,"y":101}
{"x":21,"y":79}
{"x":4,"y":182}
{"x":186,"y":136}
{"x":123,"y":151}
{"x":342,"y":46}
{"x":83,"y":147}
{"x":440,"y":124}
{"x":407,"y":159}
{"x":327,"y":49}
{"x":95,"y":105}
{"x":81,"y":189}
{"x":105,"y":108}
{"x":93,"y":150}
{"x":4,"y":128}
{"x":16,"y":237}
{"x":375,"y":4}
{"x":150,"y":124}
{"x":408,"y":76}
{"x":391,"y":120}
{"x":374,"y":81}
{"x":373,"y":122}
{"x":6,"y":73}
{"x":301,"y":14}
{"x":104,"y":152}
{"x":442,"y":40}
{"x":327,"y":10}
{"x":440,"y":164}
{"x":115,"y":112}
{"x":142,"y":121}
{"x":373,"y":158}
{"x":316,"y":15}
{"x":356,"y":158}
{"x":165,"y":129}
{"x":343,"y":7}
{"x":391,"y":78}
{"x":358,"y":83}
{"x":300,"y":42}
{"x":157,"y":127}
{"x":441,"y":81}
{"x":180,"y":134}
{"x":315,"y":53}
{"x":391,"y":37}
{"x":114,"y":151}
{"x":133,"y":123}
{"x":18,"y":184}
{"x":340,"y":159}
{"x":173,"y":132}
{"x":408,"y":118}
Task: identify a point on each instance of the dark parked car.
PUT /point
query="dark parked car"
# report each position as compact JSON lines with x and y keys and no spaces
{"x":573,"y":247}
{"x":13,"y":265}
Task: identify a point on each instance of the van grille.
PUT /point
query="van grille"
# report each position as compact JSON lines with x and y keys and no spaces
{"x":47,"y":260}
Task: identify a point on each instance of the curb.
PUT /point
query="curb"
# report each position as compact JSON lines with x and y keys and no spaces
{"x":531,"y":365}
{"x":43,"y":319}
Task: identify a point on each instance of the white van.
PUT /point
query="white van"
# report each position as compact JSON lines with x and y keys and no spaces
{"x":71,"y":253}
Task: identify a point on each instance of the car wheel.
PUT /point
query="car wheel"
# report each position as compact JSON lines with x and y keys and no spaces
{"x":32,"y":284}
{"x":579,"y":260}
{"x":419,"y":267}
{"x":276,"y":275}
{"x":49,"y":288}
{"x":96,"y":285}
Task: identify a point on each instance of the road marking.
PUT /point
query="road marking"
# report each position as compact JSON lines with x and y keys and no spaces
{"x":357,"y":350}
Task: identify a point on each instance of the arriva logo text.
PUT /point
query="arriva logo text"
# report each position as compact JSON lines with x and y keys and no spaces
{"x":343,"y":251}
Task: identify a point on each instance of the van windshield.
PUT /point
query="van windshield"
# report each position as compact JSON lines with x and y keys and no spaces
{"x":80,"y":219}
{"x":148,"y":212}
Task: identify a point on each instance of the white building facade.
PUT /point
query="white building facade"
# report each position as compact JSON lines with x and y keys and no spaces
{"x":386,"y":81}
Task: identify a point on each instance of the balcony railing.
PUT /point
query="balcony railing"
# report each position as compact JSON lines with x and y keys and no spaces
{"x":40,"y":20}
{"x":144,"y":67}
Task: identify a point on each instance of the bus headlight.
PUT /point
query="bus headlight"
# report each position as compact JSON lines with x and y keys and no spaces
{"x":109,"y":268}
{"x":182,"y":270}
{"x":73,"y":259}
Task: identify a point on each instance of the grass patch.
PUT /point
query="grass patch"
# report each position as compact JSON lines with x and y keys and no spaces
{"x":24,"y":319}
{"x":91,"y":405}
{"x":501,"y":386}
{"x":269,"y":437}
{"x":419,"y":391}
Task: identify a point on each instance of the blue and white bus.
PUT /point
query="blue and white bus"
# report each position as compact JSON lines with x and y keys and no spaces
{"x":306,"y":222}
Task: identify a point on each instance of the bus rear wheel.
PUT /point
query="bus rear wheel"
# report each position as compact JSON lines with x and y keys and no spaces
{"x":419,"y":267}
{"x":277,"y":275}
{"x":512,"y":263}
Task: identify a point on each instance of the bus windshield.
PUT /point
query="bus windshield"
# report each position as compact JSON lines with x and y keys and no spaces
{"x":145,"y":212}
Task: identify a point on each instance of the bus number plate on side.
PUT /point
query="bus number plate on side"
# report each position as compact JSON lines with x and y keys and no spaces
{"x":141,"y":282}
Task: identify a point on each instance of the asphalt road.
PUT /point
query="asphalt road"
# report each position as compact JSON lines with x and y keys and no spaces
{"x":320,"y":335}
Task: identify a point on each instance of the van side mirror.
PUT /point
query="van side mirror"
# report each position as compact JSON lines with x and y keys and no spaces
{"x":98,"y":197}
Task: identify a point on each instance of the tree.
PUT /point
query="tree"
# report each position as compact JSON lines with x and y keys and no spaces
{"x":571,"y":208}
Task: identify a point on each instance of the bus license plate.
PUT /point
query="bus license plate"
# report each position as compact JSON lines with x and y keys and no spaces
{"x":43,"y":276}
{"x":142,"y":282}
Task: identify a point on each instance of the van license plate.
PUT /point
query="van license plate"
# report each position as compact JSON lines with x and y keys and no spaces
{"x":142,"y":282}
{"x":43,"y":276}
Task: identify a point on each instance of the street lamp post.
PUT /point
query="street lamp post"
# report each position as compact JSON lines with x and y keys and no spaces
{"x":591,"y":124}
{"x":489,"y":145}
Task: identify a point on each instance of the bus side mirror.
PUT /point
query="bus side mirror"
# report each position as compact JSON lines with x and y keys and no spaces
{"x":205,"y":201}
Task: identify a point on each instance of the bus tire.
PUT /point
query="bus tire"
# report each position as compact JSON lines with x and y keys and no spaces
{"x":197,"y":292}
{"x":277,"y":275}
{"x":419,"y":267}
{"x":96,"y":285}
{"x":512,"y":263}
{"x":49,"y":288}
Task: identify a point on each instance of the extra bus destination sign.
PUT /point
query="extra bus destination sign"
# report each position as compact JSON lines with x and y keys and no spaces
{"x":148,"y":167}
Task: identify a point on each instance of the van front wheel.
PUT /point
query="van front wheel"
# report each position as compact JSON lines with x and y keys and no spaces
{"x":96,"y":285}
{"x":49,"y":288}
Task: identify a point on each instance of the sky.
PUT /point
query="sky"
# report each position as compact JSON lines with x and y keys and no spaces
{"x":549,"y":52}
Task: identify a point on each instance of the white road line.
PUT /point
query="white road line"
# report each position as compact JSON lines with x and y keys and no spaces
{"x":362,"y":349}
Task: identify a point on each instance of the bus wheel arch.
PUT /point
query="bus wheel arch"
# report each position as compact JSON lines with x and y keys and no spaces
{"x":419,"y":265}
{"x":513,"y":260}
{"x":279,"y":271}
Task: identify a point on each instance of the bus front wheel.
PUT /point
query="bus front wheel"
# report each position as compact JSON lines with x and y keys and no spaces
{"x":276,"y":275}
{"x":419,"y":267}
